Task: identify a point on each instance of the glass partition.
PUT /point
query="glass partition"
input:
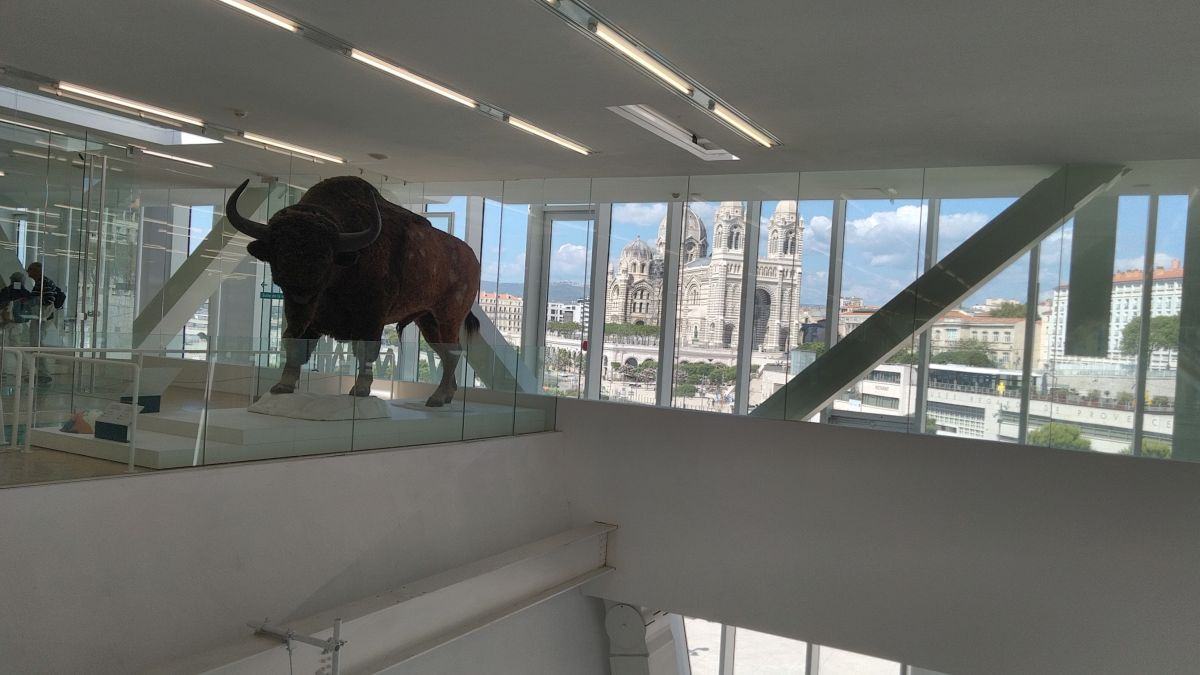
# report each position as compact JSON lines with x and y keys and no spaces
{"x":715,"y":293}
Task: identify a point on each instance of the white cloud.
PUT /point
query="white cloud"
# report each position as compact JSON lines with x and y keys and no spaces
{"x":639,"y":215}
{"x":569,"y":259}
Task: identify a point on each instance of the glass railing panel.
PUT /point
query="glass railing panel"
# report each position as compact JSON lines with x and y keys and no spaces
{"x":76,"y":409}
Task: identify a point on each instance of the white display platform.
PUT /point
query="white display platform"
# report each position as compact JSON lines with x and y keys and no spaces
{"x":305,"y":405}
{"x":168,"y":440}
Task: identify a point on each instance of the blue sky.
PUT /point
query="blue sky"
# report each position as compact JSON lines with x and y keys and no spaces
{"x":884,"y":243}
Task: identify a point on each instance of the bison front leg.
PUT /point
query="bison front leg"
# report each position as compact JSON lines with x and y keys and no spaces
{"x":298,"y":344}
{"x":366,"y":352}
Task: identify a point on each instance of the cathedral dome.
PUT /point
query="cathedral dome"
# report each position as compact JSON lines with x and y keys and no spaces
{"x":693,"y":232}
{"x":785,"y":207}
{"x":638,"y":250}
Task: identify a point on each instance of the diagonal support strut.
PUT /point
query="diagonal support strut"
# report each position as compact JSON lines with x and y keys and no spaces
{"x":964,"y":270}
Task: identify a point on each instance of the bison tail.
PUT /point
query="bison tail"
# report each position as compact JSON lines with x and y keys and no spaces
{"x":472,"y":324}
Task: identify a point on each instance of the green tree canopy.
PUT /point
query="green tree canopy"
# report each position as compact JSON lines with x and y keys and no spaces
{"x":1164,"y":333}
{"x":905,"y":356}
{"x":816,"y":347}
{"x":630,"y":329}
{"x":1152,"y":447}
{"x":968,"y":352}
{"x":1009,"y":310}
{"x":1059,"y":435}
{"x":711,"y":374}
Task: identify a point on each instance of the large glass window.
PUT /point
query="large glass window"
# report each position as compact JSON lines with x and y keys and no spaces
{"x":776,"y":310}
{"x":766,"y":654}
{"x":567,"y":303}
{"x":703,"y":645}
{"x":976,"y":351}
{"x":634,"y":302}
{"x":711,"y":268}
{"x":1086,"y":401}
{"x":882,"y":255}
{"x":841,"y":662}
{"x":1162,"y":346}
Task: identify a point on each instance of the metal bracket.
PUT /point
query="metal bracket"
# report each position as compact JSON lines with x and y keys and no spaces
{"x":286,"y":635}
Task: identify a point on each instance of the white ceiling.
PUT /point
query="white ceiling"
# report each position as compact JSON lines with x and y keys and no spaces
{"x":845,"y":85}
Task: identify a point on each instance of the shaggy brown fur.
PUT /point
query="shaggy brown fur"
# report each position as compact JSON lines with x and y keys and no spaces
{"x":412,"y":272}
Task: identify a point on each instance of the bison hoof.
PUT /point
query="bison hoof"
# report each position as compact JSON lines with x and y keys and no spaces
{"x":282,"y":388}
{"x":360,"y":390}
{"x":435,"y":401}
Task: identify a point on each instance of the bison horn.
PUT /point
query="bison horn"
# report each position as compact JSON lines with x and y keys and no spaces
{"x":353,"y":241}
{"x":244,"y":225}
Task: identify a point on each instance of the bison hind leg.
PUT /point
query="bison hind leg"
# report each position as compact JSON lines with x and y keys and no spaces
{"x":365,"y":352}
{"x":443,"y":337}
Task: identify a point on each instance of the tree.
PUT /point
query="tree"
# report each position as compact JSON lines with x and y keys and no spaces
{"x":967,"y":352}
{"x":930,"y":424}
{"x":630,"y":329}
{"x":818,"y":348}
{"x":685,"y":389}
{"x":904,"y":356}
{"x":562,"y":326}
{"x":1009,"y":310}
{"x":1059,"y":435}
{"x":1164,"y":334}
{"x":1152,"y":448}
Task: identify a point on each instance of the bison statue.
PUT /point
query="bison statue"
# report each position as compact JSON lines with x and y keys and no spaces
{"x":350,"y":263}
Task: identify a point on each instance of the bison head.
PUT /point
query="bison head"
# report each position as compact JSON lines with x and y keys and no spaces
{"x":302,"y":243}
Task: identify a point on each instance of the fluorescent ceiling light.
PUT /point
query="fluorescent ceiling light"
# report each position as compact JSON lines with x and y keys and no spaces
{"x":127,"y":103}
{"x":553,"y":138}
{"x":640,"y":57}
{"x":741,"y":125}
{"x":27,"y":153}
{"x":292,"y":148}
{"x":185,"y":160}
{"x":582,"y":17}
{"x":409,"y":76}
{"x":653,"y":121}
{"x":263,"y":13}
{"x":1,"y":173}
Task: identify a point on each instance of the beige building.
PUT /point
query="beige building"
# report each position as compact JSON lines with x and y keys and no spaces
{"x":504,"y":310}
{"x":1003,"y":336}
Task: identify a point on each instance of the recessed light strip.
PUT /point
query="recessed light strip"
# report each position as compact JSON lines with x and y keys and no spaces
{"x":409,"y":76}
{"x":185,"y":160}
{"x":552,"y":137}
{"x":740,"y":124}
{"x":299,"y":149}
{"x":123,"y":102}
{"x":640,"y":57}
{"x":317,"y":36}
{"x":264,"y":14}
{"x":583,"y":18}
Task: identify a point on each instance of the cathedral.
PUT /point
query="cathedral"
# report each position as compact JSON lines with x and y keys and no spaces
{"x":711,"y":280}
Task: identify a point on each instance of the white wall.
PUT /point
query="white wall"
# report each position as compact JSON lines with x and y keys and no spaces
{"x":115,"y":575}
{"x":957,"y":555}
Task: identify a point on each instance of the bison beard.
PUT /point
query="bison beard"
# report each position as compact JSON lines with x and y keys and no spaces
{"x":350,"y":263}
